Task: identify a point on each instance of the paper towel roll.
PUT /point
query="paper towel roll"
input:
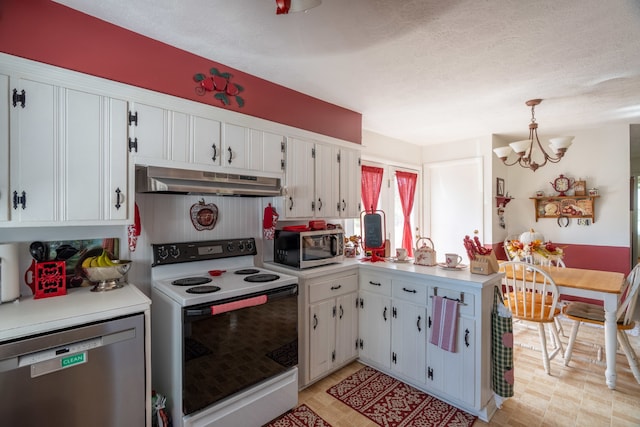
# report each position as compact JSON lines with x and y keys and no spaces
{"x":9,"y":277}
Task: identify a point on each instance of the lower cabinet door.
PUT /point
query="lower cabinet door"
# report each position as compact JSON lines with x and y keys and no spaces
{"x":375,"y":329}
{"x":408,"y":336}
{"x":346,"y":328}
{"x":321,"y":337}
{"x":453,"y":373}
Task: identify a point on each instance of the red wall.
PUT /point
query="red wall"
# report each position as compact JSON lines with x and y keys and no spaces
{"x":48,"y":32}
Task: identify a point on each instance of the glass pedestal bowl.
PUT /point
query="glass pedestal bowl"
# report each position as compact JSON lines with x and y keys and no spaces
{"x":107,"y":278}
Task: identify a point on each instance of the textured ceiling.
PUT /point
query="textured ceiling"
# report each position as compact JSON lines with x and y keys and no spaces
{"x":422,"y":71}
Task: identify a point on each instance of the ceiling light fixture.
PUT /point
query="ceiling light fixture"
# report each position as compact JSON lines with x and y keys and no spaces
{"x":291,"y":6}
{"x":524,"y":149}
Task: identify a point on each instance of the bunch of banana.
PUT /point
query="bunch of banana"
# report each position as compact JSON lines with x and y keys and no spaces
{"x":101,"y":260}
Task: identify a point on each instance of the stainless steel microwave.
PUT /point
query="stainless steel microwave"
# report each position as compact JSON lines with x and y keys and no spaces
{"x":304,"y":249}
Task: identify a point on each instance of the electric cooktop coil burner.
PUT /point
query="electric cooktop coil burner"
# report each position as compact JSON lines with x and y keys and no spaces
{"x":247,"y":271}
{"x":191,"y":281}
{"x":265,"y":277}
{"x":206,"y":289}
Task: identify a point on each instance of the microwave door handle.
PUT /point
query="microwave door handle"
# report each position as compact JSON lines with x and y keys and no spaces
{"x":334,"y":245}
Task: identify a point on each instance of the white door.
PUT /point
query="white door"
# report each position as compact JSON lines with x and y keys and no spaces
{"x":453,"y":203}
{"x":206,"y":141}
{"x":375,"y":329}
{"x":350,"y":183}
{"x":346,"y":327}
{"x":321,"y":337}
{"x":235,"y":145}
{"x":326,"y":182}
{"x":299,"y":179}
{"x":408,"y":335}
{"x":150,"y":131}
{"x":5,"y":194}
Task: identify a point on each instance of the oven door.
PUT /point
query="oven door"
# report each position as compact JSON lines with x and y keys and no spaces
{"x":231,"y":345}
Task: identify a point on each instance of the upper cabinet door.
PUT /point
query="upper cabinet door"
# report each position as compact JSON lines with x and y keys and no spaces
{"x":299,"y":179}
{"x":235,"y":146}
{"x":206,"y":141}
{"x":350,"y":183}
{"x":267,"y":151}
{"x":35,"y":148}
{"x":326,"y":181}
{"x":5,"y":199}
{"x":148,"y":133}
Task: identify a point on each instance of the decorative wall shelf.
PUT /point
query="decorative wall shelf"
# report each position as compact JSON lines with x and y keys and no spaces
{"x":501,"y":201}
{"x":565,"y":206}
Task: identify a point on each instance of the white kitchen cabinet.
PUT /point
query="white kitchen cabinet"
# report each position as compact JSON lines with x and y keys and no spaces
{"x":162,"y":136}
{"x":322,"y":180}
{"x":300,"y":193}
{"x":252,"y":149}
{"x":5,"y":199}
{"x":454,"y":373}
{"x":333,"y":324}
{"x":408,"y":329}
{"x":374,"y":343}
{"x":349,"y":205}
{"x":68,"y":162}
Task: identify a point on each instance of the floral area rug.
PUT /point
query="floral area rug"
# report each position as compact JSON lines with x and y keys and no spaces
{"x":392,"y":403}
{"x":302,"y":416}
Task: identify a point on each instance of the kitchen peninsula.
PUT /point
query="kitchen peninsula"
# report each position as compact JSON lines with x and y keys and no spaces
{"x":382,"y":314}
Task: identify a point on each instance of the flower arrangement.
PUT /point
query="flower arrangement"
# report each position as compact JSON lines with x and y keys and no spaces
{"x":352,"y":246}
{"x":525,"y":251}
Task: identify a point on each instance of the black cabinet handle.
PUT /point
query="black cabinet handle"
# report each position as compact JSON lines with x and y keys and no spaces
{"x":19,"y":200}
{"x":215,"y":152}
{"x":118,"y":193}
{"x":315,"y":321}
{"x":374,"y":283}
{"x":412,"y":291}
{"x":466,"y":337}
{"x":344,"y":205}
{"x":319,"y":204}
{"x":341,"y":311}
{"x":335,"y":288}
{"x":384,"y":314}
{"x":291,"y":203}
{"x":418,"y":324}
{"x":230,"y":155}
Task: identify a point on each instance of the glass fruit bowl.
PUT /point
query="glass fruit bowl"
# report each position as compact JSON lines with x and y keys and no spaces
{"x":107,"y":278}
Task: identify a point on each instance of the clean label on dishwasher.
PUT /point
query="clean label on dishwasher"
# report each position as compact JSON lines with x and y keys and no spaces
{"x":75,"y":359}
{"x":58,"y":364}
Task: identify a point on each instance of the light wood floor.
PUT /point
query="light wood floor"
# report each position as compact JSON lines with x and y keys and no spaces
{"x":571,"y":396}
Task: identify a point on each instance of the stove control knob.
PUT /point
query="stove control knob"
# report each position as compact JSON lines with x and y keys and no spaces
{"x":250,"y":246}
{"x":174,"y":251}
{"x":162,"y":252}
{"x":241,"y":246}
{"x":230,"y":247}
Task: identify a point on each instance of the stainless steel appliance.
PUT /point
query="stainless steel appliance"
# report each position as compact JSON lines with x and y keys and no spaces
{"x":83,"y":376}
{"x":224,"y":334}
{"x":304,"y":249}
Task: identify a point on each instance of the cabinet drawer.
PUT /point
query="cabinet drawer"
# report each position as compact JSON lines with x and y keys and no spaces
{"x":333,"y":288}
{"x":467,"y":308}
{"x":375,"y":283}
{"x":408,"y":291}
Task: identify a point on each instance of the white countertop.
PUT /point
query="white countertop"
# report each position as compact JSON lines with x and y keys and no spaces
{"x":409,"y":269}
{"x":27,"y":316}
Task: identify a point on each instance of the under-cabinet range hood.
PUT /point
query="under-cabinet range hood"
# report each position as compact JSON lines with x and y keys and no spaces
{"x":154,"y":179}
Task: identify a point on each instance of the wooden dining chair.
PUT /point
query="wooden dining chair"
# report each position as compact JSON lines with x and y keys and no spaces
{"x":581,"y":312}
{"x":532,"y":296}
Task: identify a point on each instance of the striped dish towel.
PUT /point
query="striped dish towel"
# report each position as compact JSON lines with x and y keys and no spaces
{"x":445,"y":322}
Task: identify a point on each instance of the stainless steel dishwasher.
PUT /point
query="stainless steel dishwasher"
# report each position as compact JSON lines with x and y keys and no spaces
{"x":90,"y":375}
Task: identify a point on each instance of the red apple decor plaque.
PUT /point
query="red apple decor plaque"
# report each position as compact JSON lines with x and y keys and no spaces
{"x":204,"y":215}
{"x":221,"y":84}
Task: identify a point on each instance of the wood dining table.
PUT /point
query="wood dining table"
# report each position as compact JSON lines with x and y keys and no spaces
{"x":604,"y":286}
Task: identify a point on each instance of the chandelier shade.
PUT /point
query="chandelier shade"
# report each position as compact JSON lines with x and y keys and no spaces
{"x":525,"y":149}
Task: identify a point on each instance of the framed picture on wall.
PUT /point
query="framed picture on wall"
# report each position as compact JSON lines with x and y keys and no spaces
{"x":499,"y":187}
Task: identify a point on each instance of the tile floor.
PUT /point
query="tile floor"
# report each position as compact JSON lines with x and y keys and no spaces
{"x":571,"y":396}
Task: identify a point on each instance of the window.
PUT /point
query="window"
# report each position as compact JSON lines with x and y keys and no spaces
{"x":390,"y":203}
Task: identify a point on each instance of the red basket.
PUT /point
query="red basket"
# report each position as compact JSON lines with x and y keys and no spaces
{"x":50,"y":279}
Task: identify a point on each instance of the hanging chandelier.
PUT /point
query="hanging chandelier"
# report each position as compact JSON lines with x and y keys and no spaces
{"x":524,"y":148}
{"x":291,"y":6}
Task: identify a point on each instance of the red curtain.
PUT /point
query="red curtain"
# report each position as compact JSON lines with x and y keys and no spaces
{"x":407,"y":191}
{"x":371,"y":183}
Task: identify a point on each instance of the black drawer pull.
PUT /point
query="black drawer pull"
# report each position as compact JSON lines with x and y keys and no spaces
{"x":374,"y":283}
{"x":413,"y":291}
{"x":335,"y":288}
